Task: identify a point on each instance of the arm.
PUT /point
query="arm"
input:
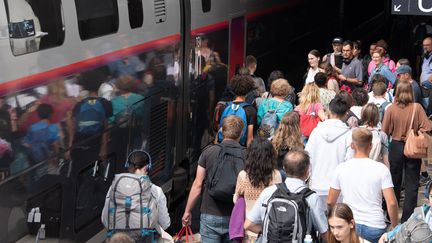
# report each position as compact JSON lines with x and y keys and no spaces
{"x":249,"y":136}
{"x":239,"y":187}
{"x":163,"y":215}
{"x":332,"y":197}
{"x":249,"y":225}
{"x":322,"y":115}
{"x":392,"y":205}
{"x":194,"y":194}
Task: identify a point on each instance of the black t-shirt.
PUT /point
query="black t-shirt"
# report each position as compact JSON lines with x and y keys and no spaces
{"x":107,"y":105}
{"x":206,"y":160}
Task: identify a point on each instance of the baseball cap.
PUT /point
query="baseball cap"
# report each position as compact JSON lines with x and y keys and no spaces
{"x":337,"y":40}
{"x":403,"y":69}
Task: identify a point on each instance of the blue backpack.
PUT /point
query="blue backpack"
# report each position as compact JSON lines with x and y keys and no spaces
{"x":40,"y":146}
{"x":90,"y":117}
{"x":237,"y":110}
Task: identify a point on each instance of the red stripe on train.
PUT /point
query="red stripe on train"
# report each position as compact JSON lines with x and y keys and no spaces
{"x":210,"y":28}
{"x":93,"y":62}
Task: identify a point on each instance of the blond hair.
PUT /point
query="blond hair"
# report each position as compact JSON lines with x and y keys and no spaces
{"x":308,"y":96}
{"x":232,"y":127}
{"x":362,"y":137}
{"x":57,"y":90}
{"x":280,"y":87}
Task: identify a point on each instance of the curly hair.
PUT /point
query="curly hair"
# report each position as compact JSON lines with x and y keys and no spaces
{"x":242,"y":84}
{"x":260,"y":162}
{"x":288,"y":135}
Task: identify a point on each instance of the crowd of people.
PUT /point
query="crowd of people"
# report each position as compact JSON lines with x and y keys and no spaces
{"x":330,"y":168}
{"x":344,"y":140}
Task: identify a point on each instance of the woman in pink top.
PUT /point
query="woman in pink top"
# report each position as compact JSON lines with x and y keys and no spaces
{"x":260,"y":172}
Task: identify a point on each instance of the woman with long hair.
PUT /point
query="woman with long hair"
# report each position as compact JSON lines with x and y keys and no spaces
{"x":399,"y":118}
{"x":314,"y":59}
{"x":287,"y":137}
{"x":310,"y":107}
{"x":342,"y":225}
{"x":332,"y":81}
{"x":371,"y":117}
{"x":260,"y":172}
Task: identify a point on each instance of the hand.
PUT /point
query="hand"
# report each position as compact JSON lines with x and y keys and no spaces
{"x":186,"y":219}
{"x":341,"y":77}
{"x":383,"y":238}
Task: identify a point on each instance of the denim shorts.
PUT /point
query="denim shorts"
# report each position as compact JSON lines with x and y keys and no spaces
{"x":214,"y":229}
{"x":369,"y":233}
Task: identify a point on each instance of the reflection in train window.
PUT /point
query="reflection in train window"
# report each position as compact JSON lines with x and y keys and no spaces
{"x":97,"y":17}
{"x":34,"y":25}
{"x":136,"y":17}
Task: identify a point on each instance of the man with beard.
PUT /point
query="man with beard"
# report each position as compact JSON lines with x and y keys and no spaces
{"x":426,"y":72}
{"x":352,"y":69}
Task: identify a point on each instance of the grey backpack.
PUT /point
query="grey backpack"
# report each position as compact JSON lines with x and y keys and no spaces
{"x":130,"y":206}
{"x":414,"y":230}
{"x":269,"y":123}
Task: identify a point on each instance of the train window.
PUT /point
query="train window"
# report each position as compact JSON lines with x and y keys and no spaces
{"x":97,"y":17}
{"x":206,"y":5}
{"x":34,"y":25}
{"x":135,"y":13}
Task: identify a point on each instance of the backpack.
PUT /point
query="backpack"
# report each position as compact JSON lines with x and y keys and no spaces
{"x":217,"y":114}
{"x":377,"y":145}
{"x":130,"y":206}
{"x":382,"y":109}
{"x":287,"y":215}
{"x":90,"y":117}
{"x":221,"y":179}
{"x":39,"y":145}
{"x":269,"y":122}
{"x":123,"y":117}
{"x":308,"y":121}
{"x":413,"y":230}
{"x":237,"y":110}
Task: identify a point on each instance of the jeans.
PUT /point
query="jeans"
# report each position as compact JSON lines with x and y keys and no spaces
{"x":398,"y":164}
{"x":214,"y":229}
{"x":428,"y":86}
{"x":369,"y":233}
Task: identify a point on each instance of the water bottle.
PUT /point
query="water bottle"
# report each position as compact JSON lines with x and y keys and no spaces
{"x":41,"y":232}
{"x":308,"y":239}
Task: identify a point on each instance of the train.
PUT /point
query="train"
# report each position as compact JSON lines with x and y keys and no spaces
{"x":181,"y":54}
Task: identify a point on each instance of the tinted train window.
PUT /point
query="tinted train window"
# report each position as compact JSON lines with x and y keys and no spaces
{"x":34,"y":25}
{"x":206,"y":5}
{"x":96,"y":17}
{"x":135,"y":13}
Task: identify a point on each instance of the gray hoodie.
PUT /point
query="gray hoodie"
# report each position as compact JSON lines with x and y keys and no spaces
{"x":328,"y":146}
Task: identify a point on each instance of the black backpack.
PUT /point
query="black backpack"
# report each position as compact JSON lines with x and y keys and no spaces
{"x":222,"y":176}
{"x":286,"y":217}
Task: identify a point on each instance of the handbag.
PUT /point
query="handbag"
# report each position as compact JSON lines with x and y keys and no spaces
{"x":186,"y":235}
{"x":416,"y":144}
{"x":308,"y":122}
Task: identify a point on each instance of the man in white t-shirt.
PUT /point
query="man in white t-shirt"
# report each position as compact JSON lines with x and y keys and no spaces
{"x":363,"y":183}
